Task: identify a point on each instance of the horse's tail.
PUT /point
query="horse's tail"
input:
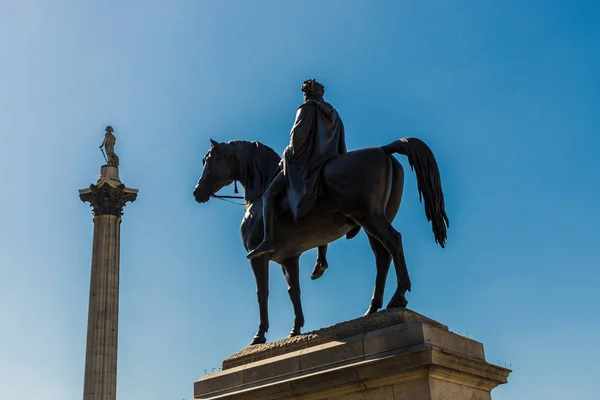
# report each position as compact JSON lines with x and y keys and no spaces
{"x":429,"y":183}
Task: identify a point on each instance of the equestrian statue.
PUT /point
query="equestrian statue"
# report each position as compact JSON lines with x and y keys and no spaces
{"x":317,"y":193}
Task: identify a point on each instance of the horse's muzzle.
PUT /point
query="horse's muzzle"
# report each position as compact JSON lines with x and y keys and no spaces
{"x":199,"y":196}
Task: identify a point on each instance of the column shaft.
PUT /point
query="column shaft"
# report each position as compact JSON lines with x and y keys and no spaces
{"x":101,"y":353}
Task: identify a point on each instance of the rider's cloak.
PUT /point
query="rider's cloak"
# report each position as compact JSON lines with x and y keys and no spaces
{"x":316,"y":137}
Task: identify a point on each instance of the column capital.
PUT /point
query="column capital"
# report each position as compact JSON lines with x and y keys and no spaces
{"x":108,"y":197}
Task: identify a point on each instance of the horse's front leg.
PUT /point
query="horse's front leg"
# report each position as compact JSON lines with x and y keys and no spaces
{"x":260,"y":266}
{"x":292,"y":275}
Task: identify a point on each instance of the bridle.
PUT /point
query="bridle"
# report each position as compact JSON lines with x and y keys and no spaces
{"x":235,"y":190}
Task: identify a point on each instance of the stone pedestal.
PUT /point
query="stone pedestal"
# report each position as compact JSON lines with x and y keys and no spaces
{"x":391,"y":355}
{"x":107,"y":198}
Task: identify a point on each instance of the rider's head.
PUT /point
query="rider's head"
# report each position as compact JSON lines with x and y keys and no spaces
{"x":312,"y":90}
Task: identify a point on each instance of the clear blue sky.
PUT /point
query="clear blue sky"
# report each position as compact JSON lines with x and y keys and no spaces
{"x":505,"y":93}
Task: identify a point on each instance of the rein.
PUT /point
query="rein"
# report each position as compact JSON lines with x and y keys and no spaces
{"x":226,"y":198}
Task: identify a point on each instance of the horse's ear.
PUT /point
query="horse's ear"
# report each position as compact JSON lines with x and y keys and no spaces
{"x":213,"y":143}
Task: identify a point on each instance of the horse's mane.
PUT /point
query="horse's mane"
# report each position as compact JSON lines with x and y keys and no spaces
{"x":258,"y":166}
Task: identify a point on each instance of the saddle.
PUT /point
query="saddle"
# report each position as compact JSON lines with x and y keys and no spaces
{"x":282,"y":206}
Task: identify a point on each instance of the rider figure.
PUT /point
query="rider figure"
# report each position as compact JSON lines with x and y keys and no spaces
{"x":316,"y":137}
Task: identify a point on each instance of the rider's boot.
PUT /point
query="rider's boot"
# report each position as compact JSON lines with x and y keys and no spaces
{"x":268,"y":244}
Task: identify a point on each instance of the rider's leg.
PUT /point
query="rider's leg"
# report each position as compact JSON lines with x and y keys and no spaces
{"x":268,"y":244}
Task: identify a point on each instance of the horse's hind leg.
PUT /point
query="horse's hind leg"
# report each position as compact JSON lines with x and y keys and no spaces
{"x":383,"y":259}
{"x":292,"y":276}
{"x":380,"y":228}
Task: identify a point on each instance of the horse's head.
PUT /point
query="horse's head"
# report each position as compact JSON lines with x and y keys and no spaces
{"x":252,"y":164}
{"x":218,"y":172}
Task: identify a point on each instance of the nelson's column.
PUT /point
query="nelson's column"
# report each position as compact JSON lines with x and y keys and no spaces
{"x":107,"y":199}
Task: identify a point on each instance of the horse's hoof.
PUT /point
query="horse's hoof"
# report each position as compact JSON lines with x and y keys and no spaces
{"x":294,"y":332}
{"x":371,"y":310}
{"x":258,"y":340}
{"x":397,"y":302}
{"x":400,"y":304}
{"x":319,"y":270}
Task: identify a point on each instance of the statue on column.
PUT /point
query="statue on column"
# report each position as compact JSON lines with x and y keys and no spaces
{"x":109,"y":146}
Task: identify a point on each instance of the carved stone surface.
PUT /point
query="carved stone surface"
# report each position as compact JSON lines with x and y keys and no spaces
{"x":380,"y":320}
{"x":107,"y":199}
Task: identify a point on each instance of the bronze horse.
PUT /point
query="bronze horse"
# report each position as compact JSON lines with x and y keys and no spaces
{"x":362,"y":188}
